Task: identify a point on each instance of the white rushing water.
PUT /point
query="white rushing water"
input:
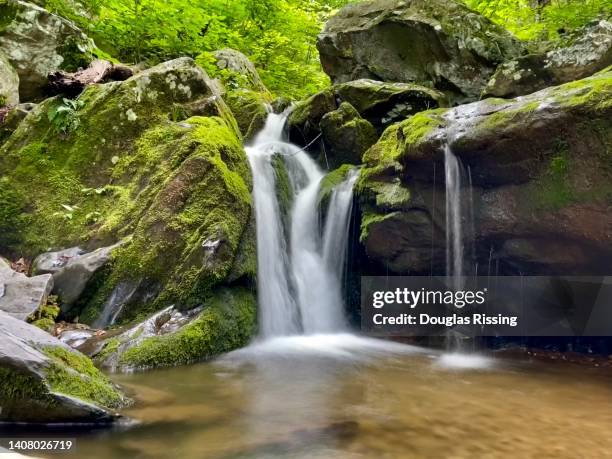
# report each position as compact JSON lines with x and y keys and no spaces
{"x":455,"y":257}
{"x":300,"y":268}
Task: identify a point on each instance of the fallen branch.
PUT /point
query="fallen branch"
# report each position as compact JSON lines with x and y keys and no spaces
{"x":73,"y":84}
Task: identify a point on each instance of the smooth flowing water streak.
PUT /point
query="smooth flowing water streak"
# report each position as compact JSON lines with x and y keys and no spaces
{"x":455,"y":257}
{"x":299,"y":268}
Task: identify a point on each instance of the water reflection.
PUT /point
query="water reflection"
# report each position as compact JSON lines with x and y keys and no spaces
{"x":338,"y":396}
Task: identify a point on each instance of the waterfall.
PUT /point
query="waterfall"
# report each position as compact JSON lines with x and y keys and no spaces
{"x":299,"y":270}
{"x":454,"y":226}
{"x":459,"y":219}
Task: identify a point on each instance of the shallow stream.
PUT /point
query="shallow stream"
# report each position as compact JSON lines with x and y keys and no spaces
{"x":339,"y":396}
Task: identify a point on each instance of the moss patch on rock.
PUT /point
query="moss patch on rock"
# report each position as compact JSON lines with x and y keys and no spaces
{"x":249,"y":108}
{"x":73,"y":374}
{"x":227,"y":322}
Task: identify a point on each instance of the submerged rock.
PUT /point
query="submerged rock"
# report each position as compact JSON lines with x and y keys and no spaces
{"x":20,"y":295}
{"x":43,"y":381}
{"x":170,"y":337}
{"x":9,"y":83}
{"x":438,"y":43}
{"x":588,"y":51}
{"x":540,"y":168}
{"x":38,"y":43}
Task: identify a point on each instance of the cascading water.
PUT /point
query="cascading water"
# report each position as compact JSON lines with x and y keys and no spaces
{"x":454,"y":216}
{"x":299,"y":273}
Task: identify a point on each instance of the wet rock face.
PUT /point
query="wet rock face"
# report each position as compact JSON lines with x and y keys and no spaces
{"x":9,"y":83}
{"x":38,"y":43}
{"x":72,"y":269}
{"x":20,"y":295}
{"x":43,"y":381}
{"x":541,"y":173}
{"x":437,"y":43}
{"x":588,"y":51}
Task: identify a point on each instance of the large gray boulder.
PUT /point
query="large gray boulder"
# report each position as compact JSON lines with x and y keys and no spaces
{"x":587,"y":51}
{"x":9,"y":83}
{"x":540,"y":171}
{"x":38,"y":43}
{"x":72,"y":269}
{"x":437,"y":43}
{"x":21,"y":295}
{"x":43,"y":381}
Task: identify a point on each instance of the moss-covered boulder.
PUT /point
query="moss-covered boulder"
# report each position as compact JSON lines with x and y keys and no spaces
{"x":240,"y":71}
{"x":584,"y":52}
{"x":38,"y":43}
{"x":436,"y":43}
{"x":250,"y":109}
{"x":226,"y":321}
{"x":346,"y":135}
{"x":241,"y":86}
{"x":540,"y":166}
{"x":379,"y":103}
{"x":43,"y":381}
{"x":9,"y":83}
{"x":303,"y":121}
{"x":128,"y":159}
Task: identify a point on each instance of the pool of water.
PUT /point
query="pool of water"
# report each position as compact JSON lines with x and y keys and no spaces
{"x":339,"y":396}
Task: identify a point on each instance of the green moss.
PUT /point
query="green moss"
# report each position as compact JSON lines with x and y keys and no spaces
{"x":405,"y":138}
{"x":15,"y":386}
{"x":173,"y":185}
{"x":594,"y":93}
{"x":284,"y":189}
{"x":75,"y":375}
{"x":312,"y":109}
{"x":372,"y":218}
{"x":249,"y":108}
{"x":111,"y":346}
{"x":331,"y":181}
{"x":506,"y":118}
{"x":227,"y":322}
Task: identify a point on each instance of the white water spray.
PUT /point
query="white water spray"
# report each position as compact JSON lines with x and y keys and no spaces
{"x":299,"y":274}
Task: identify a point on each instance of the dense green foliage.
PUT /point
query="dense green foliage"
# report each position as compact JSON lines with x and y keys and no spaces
{"x":278,"y":35}
{"x":542,"y":19}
